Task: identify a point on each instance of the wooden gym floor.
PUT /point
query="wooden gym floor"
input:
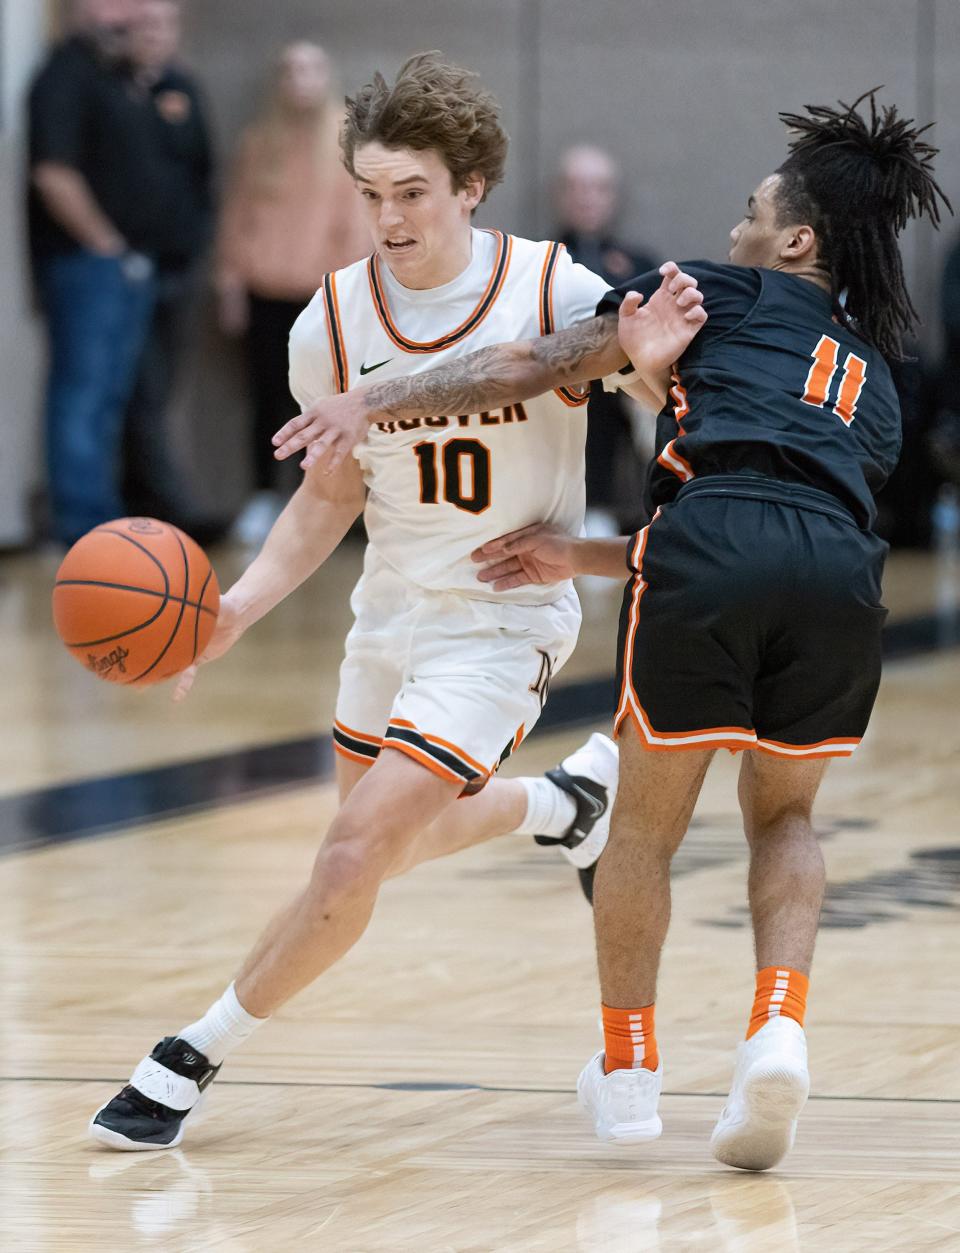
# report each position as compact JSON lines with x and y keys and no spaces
{"x":420,"y":1097}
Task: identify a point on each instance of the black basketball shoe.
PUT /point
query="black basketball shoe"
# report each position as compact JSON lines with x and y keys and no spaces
{"x":150,"y":1112}
{"x":590,"y":776}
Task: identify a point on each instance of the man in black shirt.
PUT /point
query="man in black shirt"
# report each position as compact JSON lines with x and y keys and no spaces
{"x":153,"y":483}
{"x":101,"y":208}
{"x":752,"y":618}
{"x":588,"y":192}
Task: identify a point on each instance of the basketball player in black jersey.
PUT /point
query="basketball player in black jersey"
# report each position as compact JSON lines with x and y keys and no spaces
{"x":752,"y":617}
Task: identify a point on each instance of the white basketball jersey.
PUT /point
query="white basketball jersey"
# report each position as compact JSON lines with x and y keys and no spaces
{"x":438,"y":488}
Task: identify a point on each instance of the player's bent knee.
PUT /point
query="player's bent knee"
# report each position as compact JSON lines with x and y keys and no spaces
{"x":355,"y":858}
{"x":345,"y":869}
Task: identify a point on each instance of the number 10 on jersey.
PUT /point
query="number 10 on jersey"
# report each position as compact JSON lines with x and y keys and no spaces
{"x":459,"y":470}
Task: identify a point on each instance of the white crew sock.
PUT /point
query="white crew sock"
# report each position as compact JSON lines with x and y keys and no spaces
{"x":550,"y":810}
{"x":225,"y":1025}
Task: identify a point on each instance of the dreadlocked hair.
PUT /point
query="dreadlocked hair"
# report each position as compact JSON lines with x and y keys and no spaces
{"x":857,"y":182}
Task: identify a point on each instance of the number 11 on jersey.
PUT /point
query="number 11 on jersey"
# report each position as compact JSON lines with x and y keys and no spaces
{"x":826,"y":357}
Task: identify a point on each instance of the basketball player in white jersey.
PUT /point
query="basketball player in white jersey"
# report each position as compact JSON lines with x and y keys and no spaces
{"x":442,"y":678}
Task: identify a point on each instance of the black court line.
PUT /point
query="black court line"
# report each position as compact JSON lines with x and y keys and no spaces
{"x":116,"y":803}
{"x":928,"y":633}
{"x":465,"y":1087}
{"x":93,"y":807}
{"x":77,"y":811}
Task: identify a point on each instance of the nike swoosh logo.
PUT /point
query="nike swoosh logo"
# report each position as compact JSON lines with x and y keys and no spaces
{"x":597,"y":807}
{"x":368,"y":369}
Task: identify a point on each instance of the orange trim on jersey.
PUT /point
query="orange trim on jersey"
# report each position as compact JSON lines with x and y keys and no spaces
{"x":548,"y":295}
{"x":573,"y":397}
{"x":681,"y":405}
{"x":546,"y":285}
{"x":338,"y":352}
{"x":671,"y":460}
{"x":430,"y":762}
{"x":348,"y":752}
{"x":357,"y":735}
{"x":470,"y":323}
{"x":435,"y":739}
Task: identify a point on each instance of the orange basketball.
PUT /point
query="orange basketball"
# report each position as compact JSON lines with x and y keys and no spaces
{"x":135,"y":601}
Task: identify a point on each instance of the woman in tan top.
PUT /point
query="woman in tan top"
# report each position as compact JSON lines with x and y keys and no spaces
{"x":290,"y":214}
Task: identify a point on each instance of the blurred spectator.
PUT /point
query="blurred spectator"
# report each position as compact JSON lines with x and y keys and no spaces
{"x":95,"y":199}
{"x":587,"y":203}
{"x":291,"y":214}
{"x":944,"y":439}
{"x":905,"y":502}
{"x":152,"y":484}
{"x":929,"y":467}
{"x":950,"y":313}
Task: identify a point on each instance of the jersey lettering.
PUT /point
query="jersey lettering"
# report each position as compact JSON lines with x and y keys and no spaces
{"x":826,"y":357}
{"x":510,"y":413}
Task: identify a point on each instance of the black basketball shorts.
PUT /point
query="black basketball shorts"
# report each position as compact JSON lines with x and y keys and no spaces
{"x":751,"y":623}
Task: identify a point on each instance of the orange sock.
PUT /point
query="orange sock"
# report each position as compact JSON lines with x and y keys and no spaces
{"x":628,"y":1039}
{"x":780,"y":991}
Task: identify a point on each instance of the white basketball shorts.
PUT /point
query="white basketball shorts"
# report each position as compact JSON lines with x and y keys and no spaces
{"x":453,"y":682}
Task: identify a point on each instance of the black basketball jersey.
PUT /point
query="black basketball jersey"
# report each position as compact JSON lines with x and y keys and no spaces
{"x":774,"y":385}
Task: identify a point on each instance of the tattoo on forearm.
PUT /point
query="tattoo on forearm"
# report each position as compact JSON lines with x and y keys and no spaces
{"x":576,"y":354}
{"x":468,"y":385}
{"x":503,"y":373}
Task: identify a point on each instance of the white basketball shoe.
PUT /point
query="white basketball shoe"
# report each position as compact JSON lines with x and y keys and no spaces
{"x":770,"y":1085}
{"x":590,"y":777}
{"x":623,"y":1104}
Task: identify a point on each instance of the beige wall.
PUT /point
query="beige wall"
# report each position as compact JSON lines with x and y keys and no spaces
{"x":685,"y":93}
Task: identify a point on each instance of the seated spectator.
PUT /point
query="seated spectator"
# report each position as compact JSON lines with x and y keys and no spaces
{"x":587,"y":203}
{"x":290,"y":215}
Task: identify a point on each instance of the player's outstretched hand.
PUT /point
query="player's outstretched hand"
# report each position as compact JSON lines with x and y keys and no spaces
{"x":534,"y":554}
{"x":328,"y":430}
{"x":655,"y":334}
{"x":225,"y":634}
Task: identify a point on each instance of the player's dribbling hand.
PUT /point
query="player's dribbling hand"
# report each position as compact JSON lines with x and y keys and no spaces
{"x":225,"y":634}
{"x":534,"y":554}
{"x":328,"y":430}
{"x":654,"y":334}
